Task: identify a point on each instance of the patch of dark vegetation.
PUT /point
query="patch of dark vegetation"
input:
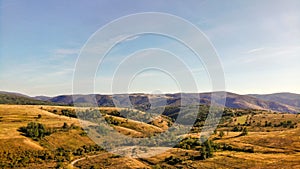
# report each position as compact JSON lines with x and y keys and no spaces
{"x":63,"y":112}
{"x":189,"y":143}
{"x":37,"y":131}
{"x":68,"y":113}
{"x":286,"y":124}
{"x":206,"y":148}
{"x":173,"y":160}
{"x":226,"y":147}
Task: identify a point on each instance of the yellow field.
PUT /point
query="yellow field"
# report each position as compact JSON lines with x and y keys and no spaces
{"x":16,"y":116}
{"x":241,"y":120}
{"x":277,"y":148}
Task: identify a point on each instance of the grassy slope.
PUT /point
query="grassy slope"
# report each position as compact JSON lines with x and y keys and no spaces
{"x":275,"y":149}
{"x":21,"y":100}
{"x":16,"y":116}
{"x":12,"y":117}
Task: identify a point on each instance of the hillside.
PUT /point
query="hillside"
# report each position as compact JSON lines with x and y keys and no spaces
{"x":280,"y":102}
{"x":14,"y":93}
{"x":249,"y":102}
{"x":65,"y":142}
{"x":143,"y":101}
{"x":272,"y":140}
{"x":15,"y":98}
{"x":290,"y":99}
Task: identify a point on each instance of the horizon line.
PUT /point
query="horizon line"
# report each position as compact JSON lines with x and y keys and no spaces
{"x":41,"y":95}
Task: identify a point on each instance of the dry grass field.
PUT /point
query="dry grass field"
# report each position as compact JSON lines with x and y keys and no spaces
{"x":273,"y":147}
{"x":16,"y":116}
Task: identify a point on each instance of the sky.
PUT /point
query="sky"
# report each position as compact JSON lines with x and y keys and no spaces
{"x":257,"y":41}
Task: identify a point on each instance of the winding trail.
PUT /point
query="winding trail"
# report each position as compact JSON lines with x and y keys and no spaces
{"x":127,"y":152}
{"x":83,"y":158}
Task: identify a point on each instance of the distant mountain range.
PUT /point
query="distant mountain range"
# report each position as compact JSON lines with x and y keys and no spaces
{"x":280,"y":102}
{"x":290,"y":99}
{"x":17,"y":98}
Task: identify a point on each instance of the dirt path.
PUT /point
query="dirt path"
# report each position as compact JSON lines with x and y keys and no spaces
{"x":30,"y":143}
{"x":128,"y":153}
{"x":83,"y":158}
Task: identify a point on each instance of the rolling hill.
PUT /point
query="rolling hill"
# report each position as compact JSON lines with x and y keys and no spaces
{"x":68,"y":145}
{"x":143,"y":101}
{"x":280,"y":102}
{"x":290,"y":99}
{"x":20,"y":99}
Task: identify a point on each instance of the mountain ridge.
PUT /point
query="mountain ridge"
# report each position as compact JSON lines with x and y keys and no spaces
{"x":291,"y":99}
{"x":279,"y":102}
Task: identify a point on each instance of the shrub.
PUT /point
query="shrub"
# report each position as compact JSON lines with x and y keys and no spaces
{"x":235,"y":129}
{"x":173,"y":160}
{"x":221,"y":133}
{"x":206,"y":150}
{"x":244,"y":131}
{"x":65,"y":126}
{"x":35,"y":130}
{"x":39,"y":116}
{"x":188,"y":143}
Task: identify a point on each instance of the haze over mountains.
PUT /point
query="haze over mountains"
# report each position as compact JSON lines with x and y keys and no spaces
{"x":280,"y":102}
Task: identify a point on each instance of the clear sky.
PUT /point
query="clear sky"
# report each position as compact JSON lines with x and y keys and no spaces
{"x":258,"y":42}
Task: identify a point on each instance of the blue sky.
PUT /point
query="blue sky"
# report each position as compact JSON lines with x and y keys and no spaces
{"x":258,"y":43}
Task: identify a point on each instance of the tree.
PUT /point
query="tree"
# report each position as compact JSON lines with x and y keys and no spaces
{"x":39,"y":116}
{"x":244,"y":131}
{"x":65,"y":126}
{"x":203,"y":153}
{"x":235,"y":129}
{"x":35,"y":130}
{"x":206,"y":150}
{"x":215,"y":131}
{"x":221,"y":133}
{"x":59,"y":165}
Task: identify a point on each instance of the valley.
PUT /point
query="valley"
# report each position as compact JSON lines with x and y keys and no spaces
{"x":271,"y":139}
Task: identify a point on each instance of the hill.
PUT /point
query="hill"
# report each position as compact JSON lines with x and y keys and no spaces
{"x":290,"y":99}
{"x":14,"y":93}
{"x":144,"y":101}
{"x":280,"y":102}
{"x":248,"y":102}
{"x":19,"y":99}
{"x":272,"y":140}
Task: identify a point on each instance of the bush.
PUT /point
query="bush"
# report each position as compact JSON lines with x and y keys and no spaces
{"x":189,"y":143}
{"x":206,"y":150}
{"x":244,"y":131}
{"x":69,"y":113}
{"x":39,"y":116}
{"x":286,"y":124}
{"x":35,"y":130}
{"x":221,"y":133}
{"x":65,"y":126}
{"x":236,"y":129}
{"x":173,"y":160}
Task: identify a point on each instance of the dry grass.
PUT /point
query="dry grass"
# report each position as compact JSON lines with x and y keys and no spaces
{"x":241,"y":120}
{"x":67,"y":140}
{"x":274,"y":118}
{"x":136,"y":125}
{"x":274,"y":149}
{"x":128,"y":131}
{"x":161,"y":122}
{"x":107,"y":160}
{"x":16,"y":116}
{"x":229,"y":159}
